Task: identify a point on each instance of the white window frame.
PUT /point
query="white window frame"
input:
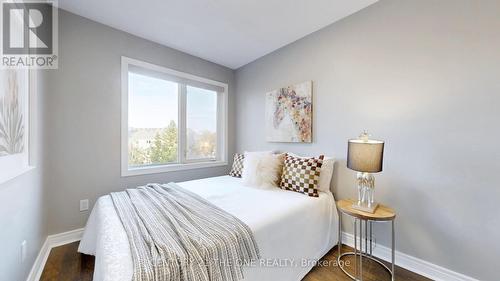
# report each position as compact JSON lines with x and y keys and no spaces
{"x":182,"y":163}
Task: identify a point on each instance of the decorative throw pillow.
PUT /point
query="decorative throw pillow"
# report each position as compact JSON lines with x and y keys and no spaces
{"x":325,"y":176}
{"x":301,"y":174}
{"x":237,"y":169}
{"x":262,"y":169}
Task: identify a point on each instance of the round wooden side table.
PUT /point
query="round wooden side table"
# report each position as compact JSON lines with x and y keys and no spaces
{"x":381,"y":214}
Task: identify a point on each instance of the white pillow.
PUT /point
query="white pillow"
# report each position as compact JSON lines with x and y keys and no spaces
{"x":326,"y":172}
{"x":262,"y":169}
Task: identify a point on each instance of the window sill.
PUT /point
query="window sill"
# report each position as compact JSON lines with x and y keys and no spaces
{"x":170,"y":168}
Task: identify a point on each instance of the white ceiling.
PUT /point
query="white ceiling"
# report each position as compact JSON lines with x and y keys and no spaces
{"x":228,"y":32}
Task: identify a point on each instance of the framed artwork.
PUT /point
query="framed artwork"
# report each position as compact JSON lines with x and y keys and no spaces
{"x":14,"y":122}
{"x":289,"y":114}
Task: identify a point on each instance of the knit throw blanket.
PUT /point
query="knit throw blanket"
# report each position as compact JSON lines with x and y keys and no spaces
{"x":175,"y":234}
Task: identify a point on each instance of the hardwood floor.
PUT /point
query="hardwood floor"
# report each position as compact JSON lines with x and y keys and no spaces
{"x":371,"y":270}
{"x":66,"y":264}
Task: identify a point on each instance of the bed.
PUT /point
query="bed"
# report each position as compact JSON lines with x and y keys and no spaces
{"x":292,"y":230}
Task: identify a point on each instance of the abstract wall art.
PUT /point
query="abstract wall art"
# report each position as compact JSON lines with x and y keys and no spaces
{"x":289,"y":114}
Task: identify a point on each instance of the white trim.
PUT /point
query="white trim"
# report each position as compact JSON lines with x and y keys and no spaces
{"x":64,"y":238}
{"x":419,"y":266}
{"x":41,"y":259}
{"x":52,"y":241}
{"x":170,"y":168}
{"x":170,"y":71}
{"x":182,"y":110}
{"x":124,"y":117}
{"x":222,"y":122}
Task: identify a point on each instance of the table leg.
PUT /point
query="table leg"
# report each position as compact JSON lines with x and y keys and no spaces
{"x":371,"y":247}
{"x":340,"y":234}
{"x":393,"y":252}
{"x":356,"y":247}
{"x":361,"y":250}
{"x":366,"y":236}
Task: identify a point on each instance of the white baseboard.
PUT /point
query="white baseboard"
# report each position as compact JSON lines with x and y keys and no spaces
{"x":424,"y":268}
{"x":52,"y":241}
{"x":41,"y":259}
{"x":403,"y":260}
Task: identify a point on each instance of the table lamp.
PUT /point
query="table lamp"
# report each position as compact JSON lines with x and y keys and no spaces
{"x":365,"y":156}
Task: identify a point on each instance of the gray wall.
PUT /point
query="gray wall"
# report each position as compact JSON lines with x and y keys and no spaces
{"x":424,"y":76}
{"x":21,"y":218}
{"x":22,"y":208}
{"x":84,"y":115}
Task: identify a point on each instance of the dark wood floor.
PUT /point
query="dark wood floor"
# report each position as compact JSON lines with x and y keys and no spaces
{"x":66,"y":264}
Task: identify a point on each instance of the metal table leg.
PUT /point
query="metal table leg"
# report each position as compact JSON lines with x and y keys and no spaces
{"x":340,"y":235}
{"x":366,"y":236}
{"x":361,"y":250}
{"x":393,"y":252}
{"x":356,"y":247}
{"x":371,"y":248}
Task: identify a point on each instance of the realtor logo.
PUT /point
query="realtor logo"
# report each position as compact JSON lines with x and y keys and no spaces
{"x":29,"y":34}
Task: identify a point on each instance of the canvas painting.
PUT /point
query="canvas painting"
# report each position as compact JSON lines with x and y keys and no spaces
{"x":14,"y":122}
{"x":12,"y":113}
{"x":289,"y":114}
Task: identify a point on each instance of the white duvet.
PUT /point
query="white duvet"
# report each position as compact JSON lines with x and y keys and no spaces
{"x":292,"y":230}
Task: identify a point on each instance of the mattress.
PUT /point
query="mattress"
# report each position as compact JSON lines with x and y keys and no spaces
{"x":292,"y":230}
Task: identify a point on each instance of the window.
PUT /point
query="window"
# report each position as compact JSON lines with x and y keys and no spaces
{"x":201,"y":123}
{"x":170,"y":120}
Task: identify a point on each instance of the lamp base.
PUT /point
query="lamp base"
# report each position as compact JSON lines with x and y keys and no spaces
{"x":363,"y":206}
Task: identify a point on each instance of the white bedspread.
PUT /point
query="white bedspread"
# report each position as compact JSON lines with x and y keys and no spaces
{"x":292,"y":230}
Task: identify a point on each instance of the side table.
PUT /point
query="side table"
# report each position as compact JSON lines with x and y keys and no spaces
{"x":382,"y":214}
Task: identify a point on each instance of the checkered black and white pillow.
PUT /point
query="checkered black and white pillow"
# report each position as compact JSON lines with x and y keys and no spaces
{"x":237,"y":169}
{"x":301,"y":174}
